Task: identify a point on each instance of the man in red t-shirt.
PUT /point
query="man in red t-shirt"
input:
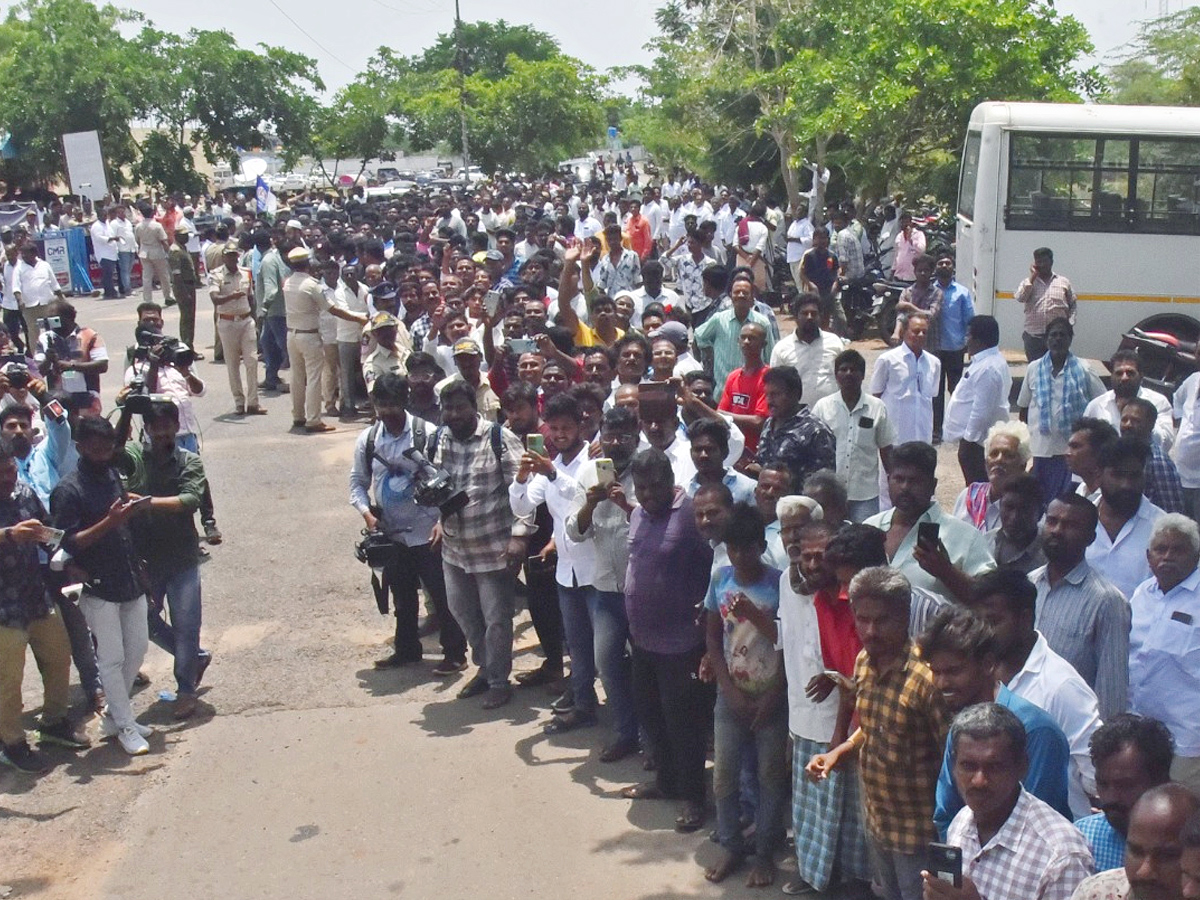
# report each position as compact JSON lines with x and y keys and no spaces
{"x":744,"y":395}
{"x":638,"y":230}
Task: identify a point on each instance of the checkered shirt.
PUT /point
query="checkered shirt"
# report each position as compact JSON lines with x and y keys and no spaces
{"x":1108,"y":844}
{"x":1036,"y":854}
{"x":1163,"y":486}
{"x":904,"y":722}
{"x":1044,"y":301}
{"x":475,"y":538}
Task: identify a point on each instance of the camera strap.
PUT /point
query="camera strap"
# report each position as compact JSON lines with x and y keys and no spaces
{"x":420,"y":440}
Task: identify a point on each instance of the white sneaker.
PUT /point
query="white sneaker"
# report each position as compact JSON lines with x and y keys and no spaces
{"x":109,"y":729}
{"x":133,"y":743}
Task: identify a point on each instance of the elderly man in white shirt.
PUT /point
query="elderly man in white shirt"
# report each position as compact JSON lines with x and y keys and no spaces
{"x":35,"y":287}
{"x":981,"y":398}
{"x":1126,"y":516}
{"x":1126,"y":369}
{"x":809,"y":350}
{"x":1187,"y":442}
{"x":1164,"y":641}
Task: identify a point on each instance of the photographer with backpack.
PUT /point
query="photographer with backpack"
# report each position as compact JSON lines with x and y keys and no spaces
{"x":382,"y":469}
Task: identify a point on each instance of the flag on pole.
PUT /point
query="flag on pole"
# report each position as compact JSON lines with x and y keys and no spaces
{"x":266,"y":201}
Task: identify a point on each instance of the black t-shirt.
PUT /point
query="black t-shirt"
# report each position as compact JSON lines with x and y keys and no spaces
{"x":80,"y":501}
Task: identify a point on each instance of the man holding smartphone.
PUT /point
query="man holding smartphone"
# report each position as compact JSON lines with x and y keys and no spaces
{"x":28,"y":618}
{"x":1014,"y":846}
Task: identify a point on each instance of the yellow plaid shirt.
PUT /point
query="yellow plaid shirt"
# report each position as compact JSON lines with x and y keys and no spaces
{"x":904,"y":723}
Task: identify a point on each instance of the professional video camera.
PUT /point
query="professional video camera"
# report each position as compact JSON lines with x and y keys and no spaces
{"x":433,"y":486}
{"x":171,"y":351}
{"x":140,"y":399}
{"x":16,"y":371}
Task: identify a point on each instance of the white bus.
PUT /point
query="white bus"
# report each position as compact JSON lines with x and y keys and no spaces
{"x":1114,"y":191}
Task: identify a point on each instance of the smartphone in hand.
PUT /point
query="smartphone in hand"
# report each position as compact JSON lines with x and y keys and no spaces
{"x":535,"y":443}
{"x":945,"y":863}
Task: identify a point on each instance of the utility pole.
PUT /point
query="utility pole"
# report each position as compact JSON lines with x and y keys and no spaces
{"x":462,"y":87}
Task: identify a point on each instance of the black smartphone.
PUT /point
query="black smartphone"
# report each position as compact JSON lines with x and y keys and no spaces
{"x":945,"y":862}
{"x":928,"y":535}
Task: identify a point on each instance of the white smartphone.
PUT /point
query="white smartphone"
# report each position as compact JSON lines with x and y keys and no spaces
{"x":606,"y":473}
{"x":51,"y":537}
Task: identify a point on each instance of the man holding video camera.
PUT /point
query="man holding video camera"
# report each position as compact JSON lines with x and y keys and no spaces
{"x":383,"y":468}
{"x":163,"y":365}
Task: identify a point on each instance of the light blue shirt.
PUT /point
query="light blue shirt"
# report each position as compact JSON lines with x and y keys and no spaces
{"x":957,"y":311}
{"x":1108,"y":844}
{"x":47,"y":462}
{"x":1164,"y":659}
{"x":1123,"y":561}
{"x":741,"y":486}
{"x":967,"y":547}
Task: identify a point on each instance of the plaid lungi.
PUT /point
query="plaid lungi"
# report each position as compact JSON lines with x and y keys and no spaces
{"x":827,"y":820}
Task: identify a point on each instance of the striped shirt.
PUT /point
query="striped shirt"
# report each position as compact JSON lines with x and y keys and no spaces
{"x":475,"y":538}
{"x":903,"y":719}
{"x":1085,"y":620}
{"x":723,"y":331}
{"x":1108,"y":844}
{"x":1036,"y":854}
{"x":1046,"y":300}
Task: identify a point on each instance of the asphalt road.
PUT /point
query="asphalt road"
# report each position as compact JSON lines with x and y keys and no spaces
{"x":307,"y":774}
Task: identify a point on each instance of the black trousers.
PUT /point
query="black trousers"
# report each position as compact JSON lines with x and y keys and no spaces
{"x":541,"y":596}
{"x":952,"y":369}
{"x":422,"y":564}
{"x":675,"y":710}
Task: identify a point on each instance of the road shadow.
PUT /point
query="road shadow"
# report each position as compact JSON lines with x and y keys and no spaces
{"x":454,"y":717}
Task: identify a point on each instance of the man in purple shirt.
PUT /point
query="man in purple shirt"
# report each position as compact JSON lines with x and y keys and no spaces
{"x":665,"y":583}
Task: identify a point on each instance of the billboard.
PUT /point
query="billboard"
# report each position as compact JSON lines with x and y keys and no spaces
{"x":85,"y":164}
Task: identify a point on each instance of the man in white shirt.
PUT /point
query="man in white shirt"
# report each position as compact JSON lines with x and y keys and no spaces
{"x":1126,"y":516}
{"x":586,"y":225}
{"x":104,"y":246}
{"x":864,"y":433}
{"x":981,"y":398}
{"x":1126,"y":369}
{"x":35,"y":287}
{"x":905,"y":378}
{"x":809,"y":350}
{"x":1007,"y":600}
{"x":153,"y":246}
{"x":799,"y":241}
{"x":1187,"y":442}
{"x":120,"y":228}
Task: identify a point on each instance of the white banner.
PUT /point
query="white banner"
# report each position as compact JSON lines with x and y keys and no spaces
{"x":56,"y":255}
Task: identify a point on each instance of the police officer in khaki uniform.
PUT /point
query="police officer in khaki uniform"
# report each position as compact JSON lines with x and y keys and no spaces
{"x":229,"y":290}
{"x":304,"y":301}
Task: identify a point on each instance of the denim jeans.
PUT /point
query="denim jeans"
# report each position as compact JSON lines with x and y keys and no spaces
{"x":353,"y":391}
{"x":274,"y":346}
{"x":611,"y":629}
{"x":577,"y":627}
{"x":125,"y":271}
{"x":182,"y":637}
{"x":731,"y":736}
{"x":482,"y":602}
{"x":108,"y":277}
{"x":898,"y":874}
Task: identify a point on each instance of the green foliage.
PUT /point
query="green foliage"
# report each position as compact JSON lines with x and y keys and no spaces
{"x":524,"y":110}
{"x":486,"y":47}
{"x":167,"y":165}
{"x":1163,"y":64}
{"x":890,"y":82}
{"x":355,"y":125}
{"x":65,"y":67}
{"x":230,"y":97}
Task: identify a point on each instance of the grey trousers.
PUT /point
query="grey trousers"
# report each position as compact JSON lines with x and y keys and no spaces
{"x":483,"y":605}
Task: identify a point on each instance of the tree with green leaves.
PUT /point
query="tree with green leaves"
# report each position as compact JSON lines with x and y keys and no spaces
{"x":1162,"y":67}
{"x":878,"y":89}
{"x":65,"y":67}
{"x":357,"y":124}
{"x":209,"y":92}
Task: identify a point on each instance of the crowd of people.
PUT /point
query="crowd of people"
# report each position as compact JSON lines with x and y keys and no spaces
{"x":734,"y":529}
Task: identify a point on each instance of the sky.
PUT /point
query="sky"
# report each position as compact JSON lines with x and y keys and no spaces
{"x":342,"y":35}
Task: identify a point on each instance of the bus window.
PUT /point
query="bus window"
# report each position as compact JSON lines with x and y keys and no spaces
{"x":1168,"y":186}
{"x":970,"y":175}
{"x":1050,"y":181}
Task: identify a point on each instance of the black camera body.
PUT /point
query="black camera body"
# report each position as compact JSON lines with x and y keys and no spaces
{"x":171,"y":351}
{"x":375,"y":549}
{"x":17,"y":373}
{"x":140,"y":400}
{"x":433,"y":486}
